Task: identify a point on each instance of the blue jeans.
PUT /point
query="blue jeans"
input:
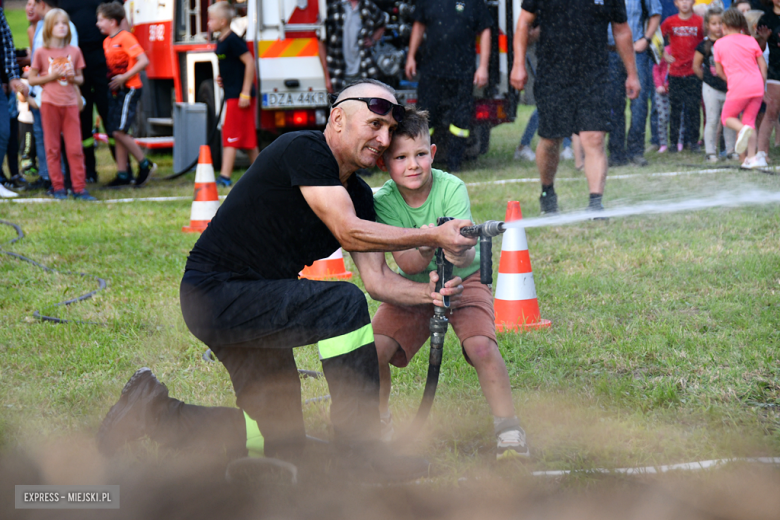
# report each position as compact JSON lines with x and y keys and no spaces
{"x":40,"y":148}
{"x":532,"y":127}
{"x":620,"y":147}
{"x":5,"y":125}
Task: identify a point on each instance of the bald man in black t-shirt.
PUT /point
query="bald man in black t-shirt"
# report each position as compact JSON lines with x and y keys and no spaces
{"x":240,"y":294}
{"x":571,"y":81}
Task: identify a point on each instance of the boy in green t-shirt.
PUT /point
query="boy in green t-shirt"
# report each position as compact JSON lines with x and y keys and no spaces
{"x":415,"y":197}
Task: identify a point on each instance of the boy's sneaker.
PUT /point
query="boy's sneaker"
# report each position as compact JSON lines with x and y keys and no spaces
{"x":83,"y":195}
{"x":58,"y":194}
{"x":133,"y":416}
{"x":18,"y":181}
{"x":120,"y":181}
{"x":712,"y":158}
{"x":145,"y":171}
{"x":524,"y":153}
{"x":386,"y":428}
{"x":224,"y":182}
{"x":567,"y":154}
{"x":39,"y":184}
{"x":742,"y":139}
{"x":511,"y":444}
{"x":548,"y":204}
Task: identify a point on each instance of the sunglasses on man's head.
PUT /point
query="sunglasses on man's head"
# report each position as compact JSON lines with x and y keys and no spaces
{"x":379,"y":106}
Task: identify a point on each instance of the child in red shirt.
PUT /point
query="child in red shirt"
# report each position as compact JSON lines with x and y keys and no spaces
{"x":684,"y":32}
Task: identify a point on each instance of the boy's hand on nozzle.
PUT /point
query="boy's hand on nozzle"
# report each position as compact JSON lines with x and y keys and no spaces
{"x":452,"y":288}
{"x":450,"y":238}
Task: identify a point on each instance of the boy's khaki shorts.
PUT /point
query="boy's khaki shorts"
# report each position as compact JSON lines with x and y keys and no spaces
{"x":409,"y":326}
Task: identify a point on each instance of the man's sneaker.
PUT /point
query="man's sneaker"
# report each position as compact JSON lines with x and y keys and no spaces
{"x":524,"y":153}
{"x":375,"y":463}
{"x":145,"y":171}
{"x":58,"y":194}
{"x":567,"y":154}
{"x":39,"y":184}
{"x":133,"y":416}
{"x":5,"y":193}
{"x":712,"y":158}
{"x":120,"y":181}
{"x":742,"y":139}
{"x":224,"y":182}
{"x":386,"y":428}
{"x":638,"y":160}
{"x":511,"y":445}
{"x":548,"y":204}
{"x":83,"y":195}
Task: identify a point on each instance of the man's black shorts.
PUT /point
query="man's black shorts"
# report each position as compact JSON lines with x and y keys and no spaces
{"x":564,"y":111}
{"x":121,"y":109}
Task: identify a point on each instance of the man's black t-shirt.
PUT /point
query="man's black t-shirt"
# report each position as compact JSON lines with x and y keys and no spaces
{"x":708,"y":66}
{"x":771,"y":20}
{"x":265,"y":223}
{"x":572,"y":47}
{"x":231,"y":68}
{"x":451,"y":30}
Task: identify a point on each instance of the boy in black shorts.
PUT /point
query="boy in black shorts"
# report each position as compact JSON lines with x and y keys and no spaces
{"x":125,"y":60}
{"x":571,"y":81}
{"x":237,"y":76}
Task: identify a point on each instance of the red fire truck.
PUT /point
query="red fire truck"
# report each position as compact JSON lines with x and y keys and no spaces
{"x":283,"y":36}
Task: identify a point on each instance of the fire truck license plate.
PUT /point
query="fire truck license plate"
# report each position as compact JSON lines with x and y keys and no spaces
{"x":294,"y":99}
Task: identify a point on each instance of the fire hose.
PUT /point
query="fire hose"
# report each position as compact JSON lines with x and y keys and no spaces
{"x":439,"y":322}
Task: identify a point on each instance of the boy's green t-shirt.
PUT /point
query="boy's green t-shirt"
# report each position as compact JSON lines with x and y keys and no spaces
{"x":448,"y":198}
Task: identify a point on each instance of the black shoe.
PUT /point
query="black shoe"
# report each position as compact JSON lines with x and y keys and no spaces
{"x":120,"y":182}
{"x":694,"y":148}
{"x":133,"y":416}
{"x":614,"y":162}
{"x":638,"y":160}
{"x":19,"y":182}
{"x":597,"y":207}
{"x":548,"y":204}
{"x":145,"y":171}
{"x":39,"y":184}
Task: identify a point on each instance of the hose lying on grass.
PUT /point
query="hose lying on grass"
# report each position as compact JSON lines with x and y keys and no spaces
{"x":37,"y":314}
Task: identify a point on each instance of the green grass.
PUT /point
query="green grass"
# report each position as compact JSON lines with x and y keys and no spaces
{"x":17,"y":21}
{"x":664,"y":345}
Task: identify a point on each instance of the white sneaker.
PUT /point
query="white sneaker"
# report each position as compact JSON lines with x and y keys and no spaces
{"x":742,"y":139}
{"x":567,"y":154}
{"x":712,"y":158}
{"x":387,"y":431}
{"x":748,"y":164}
{"x":6,"y":193}
{"x":759,"y":161}
{"x":524,"y":152}
{"x":764,"y":156}
{"x":512,"y":444}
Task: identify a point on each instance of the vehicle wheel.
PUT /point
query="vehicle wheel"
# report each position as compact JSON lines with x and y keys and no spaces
{"x":206,"y":95}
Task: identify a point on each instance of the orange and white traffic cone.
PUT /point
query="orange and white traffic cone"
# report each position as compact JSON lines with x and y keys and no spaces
{"x":516,"y":305}
{"x":206,"y":200}
{"x":328,"y":268}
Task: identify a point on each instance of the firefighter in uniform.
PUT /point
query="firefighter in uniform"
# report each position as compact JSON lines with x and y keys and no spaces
{"x":240,"y":294}
{"x":448,"y":71}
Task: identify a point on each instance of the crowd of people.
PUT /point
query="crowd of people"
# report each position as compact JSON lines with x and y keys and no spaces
{"x":81,"y":56}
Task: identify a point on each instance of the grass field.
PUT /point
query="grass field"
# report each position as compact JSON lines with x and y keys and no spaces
{"x":664,"y":345}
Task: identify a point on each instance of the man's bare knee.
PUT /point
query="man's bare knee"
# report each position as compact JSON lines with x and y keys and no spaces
{"x":592,"y":140}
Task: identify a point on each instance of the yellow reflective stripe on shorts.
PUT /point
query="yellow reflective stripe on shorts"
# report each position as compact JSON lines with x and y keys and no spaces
{"x":346,"y":343}
{"x":255,"y":443}
{"x":460,"y":132}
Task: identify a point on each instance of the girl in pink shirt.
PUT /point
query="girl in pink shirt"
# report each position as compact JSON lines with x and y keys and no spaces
{"x":739,"y":61}
{"x":57,"y":66}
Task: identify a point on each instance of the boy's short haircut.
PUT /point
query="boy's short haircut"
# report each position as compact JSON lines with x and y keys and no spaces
{"x":112,"y":10}
{"x":50,"y":3}
{"x":223,"y":10}
{"x":48,"y":25}
{"x":734,"y":18}
{"x":414,"y":125}
{"x":712,"y":11}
